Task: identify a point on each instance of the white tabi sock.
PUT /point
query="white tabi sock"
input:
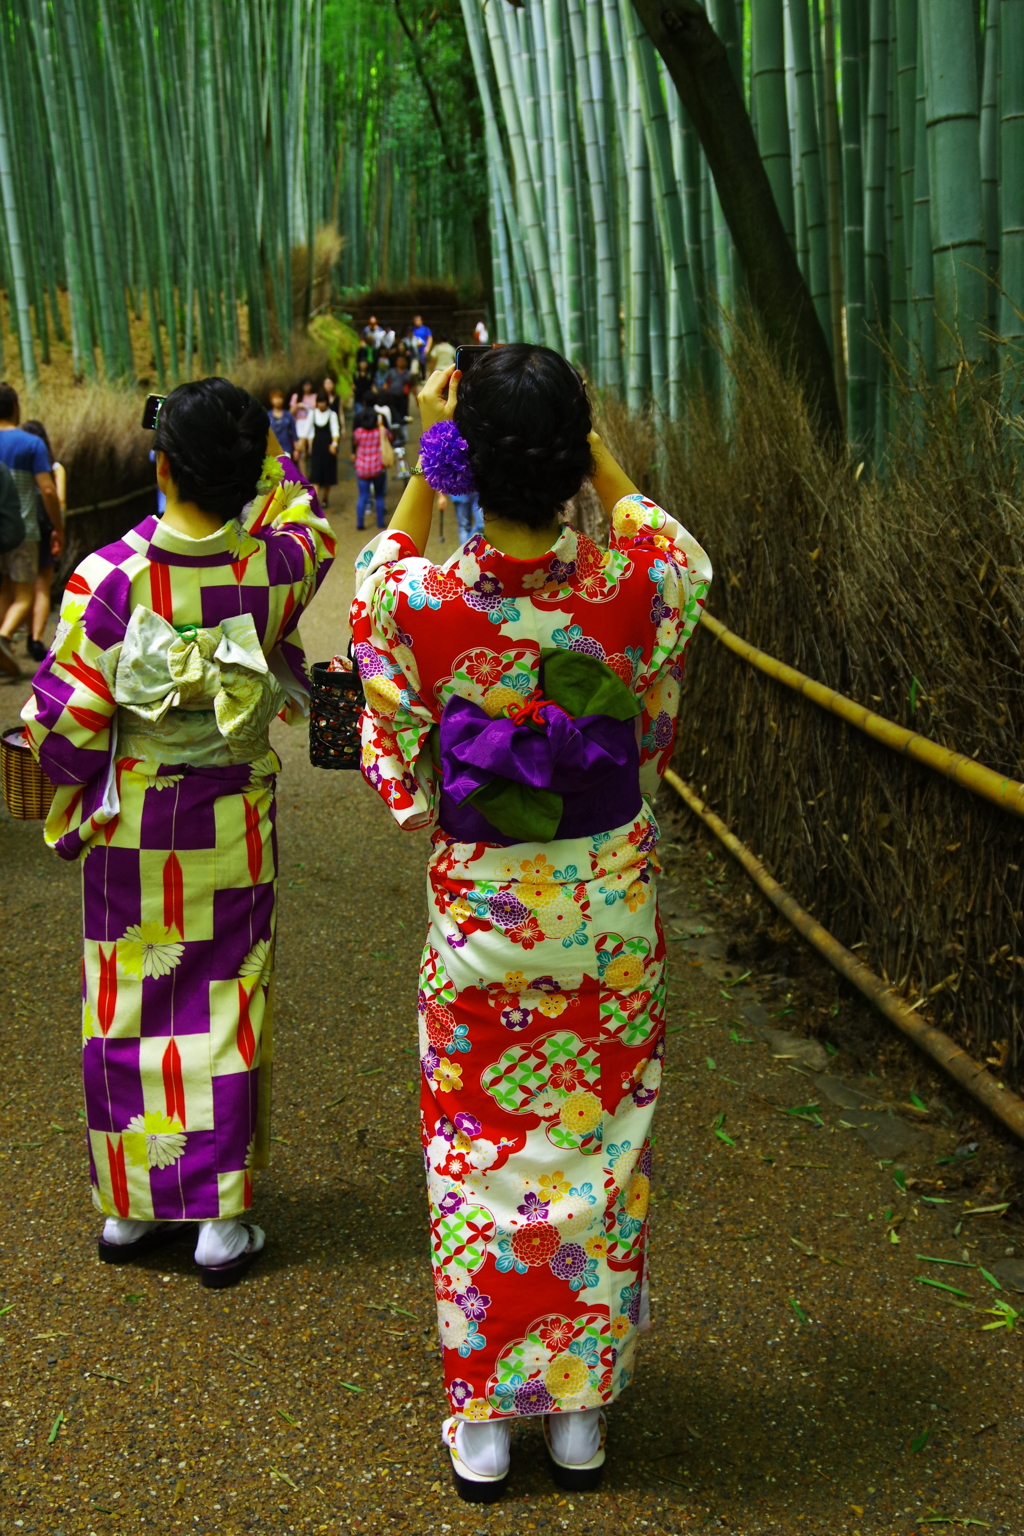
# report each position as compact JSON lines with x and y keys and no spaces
{"x":575,"y":1437}
{"x":223,"y":1240}
{"x":119,"y":1230}
{"x":484,"y":1446}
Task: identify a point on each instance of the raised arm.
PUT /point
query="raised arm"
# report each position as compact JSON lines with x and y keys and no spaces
{"x":609,"y":479}
{"x":415,"y":511}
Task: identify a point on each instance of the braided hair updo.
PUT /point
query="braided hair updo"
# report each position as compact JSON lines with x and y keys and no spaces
{"x":524,"y":413}
{"x":215,"y":437}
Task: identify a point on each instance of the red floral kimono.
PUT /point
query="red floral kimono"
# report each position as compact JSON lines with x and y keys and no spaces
{"x":542,"y":990}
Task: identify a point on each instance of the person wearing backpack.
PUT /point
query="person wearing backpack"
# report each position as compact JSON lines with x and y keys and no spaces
{"x":26,"y":458}
{"x":368,"y":438}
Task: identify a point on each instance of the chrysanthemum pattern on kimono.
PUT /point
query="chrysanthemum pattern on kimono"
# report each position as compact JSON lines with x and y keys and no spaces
{"x":541,"y":1001}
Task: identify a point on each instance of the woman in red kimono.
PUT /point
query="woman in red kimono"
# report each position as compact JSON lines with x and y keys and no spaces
{"x":521,"y":698}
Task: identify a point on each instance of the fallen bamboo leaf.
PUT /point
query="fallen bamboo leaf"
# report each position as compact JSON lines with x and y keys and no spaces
{"x":723,"y":1137}
{"x":940,"y":1285}
{"x":55,"y":1427}
{"x":926,"y":1258}
{"x":369,"y":1071}
{"x":9,"y":1308}
{"x":921,"y":1441}
{"x":104,"y":1509}
{"x":900,"y":1180}
{"x":283,"y":1478}
{"x":1007,"y":1317}
{"x":287,"y":1417}
{"x":695,"y":1433}
{"x":283,"y":1139}
{"x":984,"y":1427}
{"x":807,"y":1165}
{"x":179,"y":1490}
{"x":349,"y":1387}
{"x":109,"y":1375}
{"x":711,"y":1063}
{"x":935,"y":1200}
{"x":990,"y":1278}
{"x":801,"y":1315}
{"x":952,"y":1520}
{"x":244,"y":1358}
{"x":803,"y":1247}
{"x":988,"y":1210}
{"x":919,"y":1104}
{"x":396,"y":1333}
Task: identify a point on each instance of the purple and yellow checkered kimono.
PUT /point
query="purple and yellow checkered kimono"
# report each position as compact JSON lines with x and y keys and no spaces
{"x":151,"y":715}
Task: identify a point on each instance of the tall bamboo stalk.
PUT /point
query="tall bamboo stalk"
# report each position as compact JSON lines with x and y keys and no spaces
{"x":768,"y":61}
{"x":876,"y":276}
{"x":1011,"y":150}
{"x":858,"y":418}
{"x":958,"y":245}
{"x":810,"y":162}
{"x":989,"y":130}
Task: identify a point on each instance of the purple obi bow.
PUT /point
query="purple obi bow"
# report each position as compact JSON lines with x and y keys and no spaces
{"x":561,"y":777}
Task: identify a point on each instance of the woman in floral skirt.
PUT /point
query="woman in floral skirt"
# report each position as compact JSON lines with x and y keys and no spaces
{"x":521,"y":698}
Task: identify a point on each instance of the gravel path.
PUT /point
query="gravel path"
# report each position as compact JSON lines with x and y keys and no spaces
{"x":795,"y":1366}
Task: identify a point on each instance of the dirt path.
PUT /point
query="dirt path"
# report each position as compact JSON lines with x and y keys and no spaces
{"x":796,"y":1364}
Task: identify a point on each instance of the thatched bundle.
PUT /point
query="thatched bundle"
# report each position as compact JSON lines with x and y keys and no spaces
{"x":905,"y":592}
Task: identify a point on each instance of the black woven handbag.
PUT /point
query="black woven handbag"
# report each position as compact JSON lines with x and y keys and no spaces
{"x":336,"y":702}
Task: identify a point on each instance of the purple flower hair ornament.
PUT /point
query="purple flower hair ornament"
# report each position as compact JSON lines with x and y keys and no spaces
{"x":445,"y":455}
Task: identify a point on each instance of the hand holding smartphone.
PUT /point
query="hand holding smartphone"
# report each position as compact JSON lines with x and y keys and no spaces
{"x":465,"y":357}
{"x":150,"y":412}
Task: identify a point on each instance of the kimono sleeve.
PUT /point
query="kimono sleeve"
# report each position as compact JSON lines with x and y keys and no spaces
{"x":300,"y":551}
{"x":680,"y":573}
{"x":396,"y":723}
{"x":69,"y":716}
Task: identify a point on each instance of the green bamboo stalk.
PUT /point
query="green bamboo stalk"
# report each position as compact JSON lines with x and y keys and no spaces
{"x":609,"y":371}
{"x":638,"y":374}
{"x":16,"y":252}
{"x":526,"y":197}
{"x":834,"y":193}
{"x":922,"y":289}
{"x":549,"y":203}
{"x":568,"y":227}
{"x":1011,"y":150}
{"x":989,"y":130}
{"x":906,"y":109}
{"x":851,"y":69}
{"x":809,"y":150}
{"x":876,"y":276}
{"x":768,"y":60}
{"x":527,"y":327}
{"x":958,"y":245}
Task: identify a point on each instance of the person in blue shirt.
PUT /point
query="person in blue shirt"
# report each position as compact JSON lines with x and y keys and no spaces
{"x":423,"y":339}
{"x":27,"y":459}
{"x":282,"y":423}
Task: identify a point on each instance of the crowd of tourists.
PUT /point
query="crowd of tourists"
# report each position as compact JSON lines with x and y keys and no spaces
{"x":521,"y":699}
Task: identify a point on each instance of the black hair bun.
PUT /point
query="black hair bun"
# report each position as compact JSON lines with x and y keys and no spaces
{"x":215,"y":437}
{"x":525,"y":415}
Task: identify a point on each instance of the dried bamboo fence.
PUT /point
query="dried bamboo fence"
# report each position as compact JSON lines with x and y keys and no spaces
{"x":905,"y":594}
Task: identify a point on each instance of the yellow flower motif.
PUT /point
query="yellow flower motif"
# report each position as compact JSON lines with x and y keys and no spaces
{"x":636,"y":895}
{"x":88,"y":1022}
{"x":460,"y":910}
{"x":559,"y":918}
{"x":623,"y":1166}
{"x":638,"y":1196}
{"x":448,"y":1075}
{"x":153,"y":1140}
{"x":566,"y":1375}
{"x":146,"y":949}
{"x":271,"y":474}
{"x":501,"y":700}
{"x":581,"y":1113}
{"x":515,"y":981}
{"x":382,"y":694}
{"x":553,"y":1186}
{"x":505,"y":869}
{"x":620,"y":1326}
{"x":597,"y":1247}
{"x":624,"y":973}
{"x":476,"y":1408}
{"x":552,"y":1004}
{"x":537,"y":893}
{"x":537,"y":868}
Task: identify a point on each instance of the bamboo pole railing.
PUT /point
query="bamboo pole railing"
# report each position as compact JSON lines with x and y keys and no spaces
{"x":970,"y":1074}
{"x":1007,"y":793}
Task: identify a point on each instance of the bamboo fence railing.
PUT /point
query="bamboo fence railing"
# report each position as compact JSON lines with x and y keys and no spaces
{"x":970,"y":1074}
{"x":1007,"y":793}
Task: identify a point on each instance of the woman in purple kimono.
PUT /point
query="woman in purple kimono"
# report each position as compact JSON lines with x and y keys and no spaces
{"x":176,"y":648}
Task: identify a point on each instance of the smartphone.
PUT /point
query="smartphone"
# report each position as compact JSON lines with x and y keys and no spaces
{"x":465,"y":357}
{"x":150,"y":411}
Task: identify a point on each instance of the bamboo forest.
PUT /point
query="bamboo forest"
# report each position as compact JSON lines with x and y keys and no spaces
{"x":576,"y":446}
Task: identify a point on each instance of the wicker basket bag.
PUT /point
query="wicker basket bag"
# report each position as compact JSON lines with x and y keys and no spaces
{"x":336,"y":702}
{"x":27,"y":790}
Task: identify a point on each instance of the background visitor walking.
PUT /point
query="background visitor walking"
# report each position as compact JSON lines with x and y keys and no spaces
{"x":27,"y":458}
{"x":370,"y":472}
{"x":321,"y":432}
